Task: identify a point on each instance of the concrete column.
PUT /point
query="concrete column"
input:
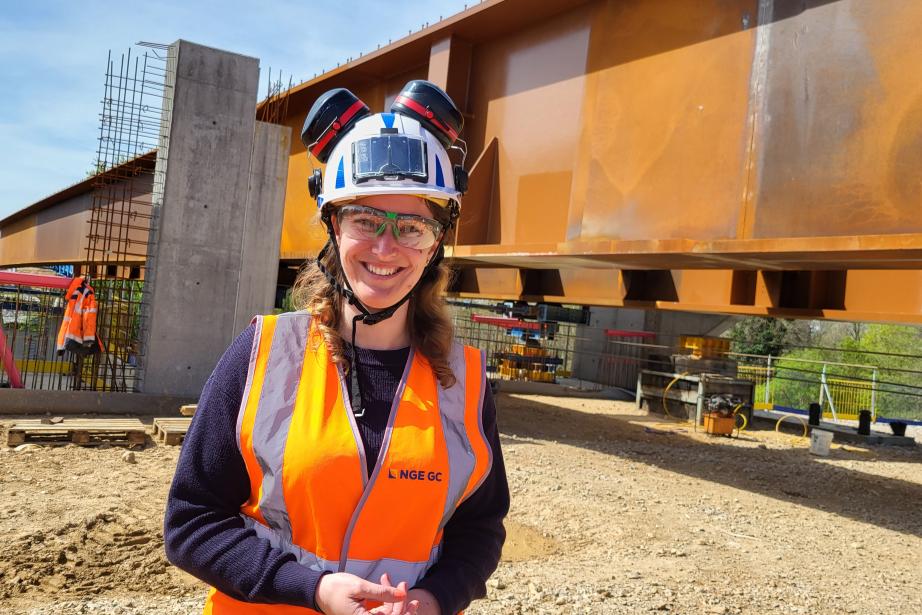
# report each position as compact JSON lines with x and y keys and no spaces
{"x":204,"y":267}
{"x":263,"y":227}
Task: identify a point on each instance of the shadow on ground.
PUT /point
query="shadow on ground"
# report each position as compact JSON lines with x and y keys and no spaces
{"x":885,"y":502}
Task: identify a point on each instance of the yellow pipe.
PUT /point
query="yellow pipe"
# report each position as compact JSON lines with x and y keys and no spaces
{"x":666,"y":390}
{"x":745,"y":424}
{"x":788,"y":416}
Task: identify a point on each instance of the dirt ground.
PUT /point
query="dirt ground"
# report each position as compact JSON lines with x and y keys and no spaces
{"x":613,"y":511}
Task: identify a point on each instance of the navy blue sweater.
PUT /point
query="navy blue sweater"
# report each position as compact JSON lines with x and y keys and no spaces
{"x":204,"y":533}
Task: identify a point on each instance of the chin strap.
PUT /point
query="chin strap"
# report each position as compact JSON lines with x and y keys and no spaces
{"x":365,"y":316}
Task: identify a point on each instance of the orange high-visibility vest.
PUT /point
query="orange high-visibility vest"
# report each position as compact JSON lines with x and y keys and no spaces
{"x":79,"y":324}
{"x":310,"y":493}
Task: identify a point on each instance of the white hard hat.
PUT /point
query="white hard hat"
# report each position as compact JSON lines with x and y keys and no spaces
{"x":388,"y":153}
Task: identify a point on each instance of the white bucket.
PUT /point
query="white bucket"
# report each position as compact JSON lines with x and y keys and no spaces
{"x":820,"y":442}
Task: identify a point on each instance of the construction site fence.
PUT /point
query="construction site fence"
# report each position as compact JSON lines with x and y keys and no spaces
{"x":30,"y":322}
{"x":603,"y":357}
{"x":595,"y":356}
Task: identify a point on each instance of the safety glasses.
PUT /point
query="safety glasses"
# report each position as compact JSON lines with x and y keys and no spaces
{"x":410,"y":231}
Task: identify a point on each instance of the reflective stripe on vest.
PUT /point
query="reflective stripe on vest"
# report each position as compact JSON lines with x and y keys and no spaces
{"x":310,"y":494}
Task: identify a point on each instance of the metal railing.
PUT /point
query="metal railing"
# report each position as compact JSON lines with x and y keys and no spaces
{"x":623,"y":357}
{"x":841,"y":389}
{"x":33,"y":308}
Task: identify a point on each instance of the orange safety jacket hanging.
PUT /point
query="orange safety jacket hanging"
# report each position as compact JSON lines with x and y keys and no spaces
{"x":78,"y":329}
{"x":310,"y":493}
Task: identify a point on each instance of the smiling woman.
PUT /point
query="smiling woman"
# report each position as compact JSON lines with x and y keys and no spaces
{"x":344,"y":458}
{"x":409,"y":246}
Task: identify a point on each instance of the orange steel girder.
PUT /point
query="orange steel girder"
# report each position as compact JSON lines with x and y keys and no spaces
{"x":746,"y":157}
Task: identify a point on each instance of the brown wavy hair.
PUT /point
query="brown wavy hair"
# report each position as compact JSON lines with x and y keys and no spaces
{"x":428,"y":318}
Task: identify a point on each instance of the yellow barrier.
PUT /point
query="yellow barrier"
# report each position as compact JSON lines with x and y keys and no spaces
{"x":510,"y":371}
{"x":848,"y":397}
{"x":42,"y":366}
{"x":760,"y":377}
{"x":705,"y":347}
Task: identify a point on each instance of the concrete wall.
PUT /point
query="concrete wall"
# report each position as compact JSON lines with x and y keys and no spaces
{"x":26,"y":401}
{"x":591,"y":342}
{"x":203,"y":268}
{"x":668,"y":326}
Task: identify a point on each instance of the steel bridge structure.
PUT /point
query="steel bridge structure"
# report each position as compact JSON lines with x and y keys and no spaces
{"x":756,"y":157}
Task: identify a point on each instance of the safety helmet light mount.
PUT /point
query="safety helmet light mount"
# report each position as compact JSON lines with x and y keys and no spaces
{"x":389,"y":157}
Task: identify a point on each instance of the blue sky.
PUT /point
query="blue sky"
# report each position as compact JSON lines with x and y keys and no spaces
{"x":53,"y":58}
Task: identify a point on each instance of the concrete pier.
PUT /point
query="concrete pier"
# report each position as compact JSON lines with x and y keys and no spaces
{"x":213,"y":257}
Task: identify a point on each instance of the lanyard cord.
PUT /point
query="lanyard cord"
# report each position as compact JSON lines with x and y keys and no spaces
{"x":355,"y":384}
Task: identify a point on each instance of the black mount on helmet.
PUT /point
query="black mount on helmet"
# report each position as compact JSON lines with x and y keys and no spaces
{"x":432,"y":107}
{"x":436,"y":111}
{"x":330,"y":117}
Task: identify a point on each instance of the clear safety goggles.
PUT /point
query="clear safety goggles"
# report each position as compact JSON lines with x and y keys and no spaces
{"x":389,"y":157}
{"x":410,"y":231}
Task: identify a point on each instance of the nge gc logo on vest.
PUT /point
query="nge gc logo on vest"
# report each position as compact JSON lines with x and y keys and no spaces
{"x":414,"y":475}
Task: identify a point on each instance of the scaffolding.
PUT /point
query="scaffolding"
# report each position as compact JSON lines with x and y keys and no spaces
{"x":130,"y":164}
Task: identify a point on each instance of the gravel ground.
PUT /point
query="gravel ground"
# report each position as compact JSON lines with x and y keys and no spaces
{"x":614,"y":511}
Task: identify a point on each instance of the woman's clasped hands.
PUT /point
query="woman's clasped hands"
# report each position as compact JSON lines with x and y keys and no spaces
{"x":342,"y":593}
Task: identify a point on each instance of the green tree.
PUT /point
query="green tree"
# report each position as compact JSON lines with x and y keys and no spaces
{"x":900,"y":368}
{"x":760,"y":336}
{"x":893,"y":349}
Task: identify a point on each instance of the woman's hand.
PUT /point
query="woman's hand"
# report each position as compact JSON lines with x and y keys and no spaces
{"x":404,"y":607}
{"x":417,"y":602}
{"x":342,"y":593}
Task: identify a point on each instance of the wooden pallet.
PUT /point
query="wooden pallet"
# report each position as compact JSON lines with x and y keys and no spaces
{"x":77,"y":431}
{"x":188,"y":409}
{"x":171,"y":430}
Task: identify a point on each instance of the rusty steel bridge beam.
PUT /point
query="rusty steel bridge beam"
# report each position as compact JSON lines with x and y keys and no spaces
{"x":748,"y":156}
